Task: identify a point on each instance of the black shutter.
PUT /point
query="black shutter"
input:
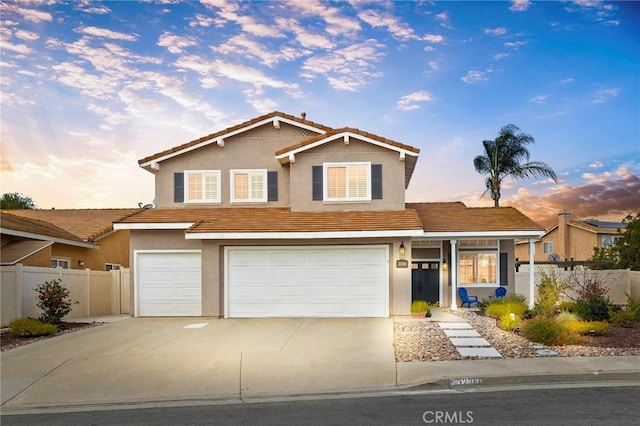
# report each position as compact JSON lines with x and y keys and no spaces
{"x":316,"y":179}
{"x":272,"y":186}
{"x":504,"y":269}
{"x":376,"y":181}
{"x":178,"y":187}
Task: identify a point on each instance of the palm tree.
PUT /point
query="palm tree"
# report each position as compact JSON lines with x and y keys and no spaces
{"x":503,"y":157}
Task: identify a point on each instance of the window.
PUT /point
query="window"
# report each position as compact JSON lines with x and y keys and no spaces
{"x":111,"y":267}
{"x":548,"y":247}
{"x":57,"y":262}
{"x":202,"y":186}
{"x":248,"y":186}
{"x":610,"y":240}
{"x":478,"y":268}
{"x":347,"y":181}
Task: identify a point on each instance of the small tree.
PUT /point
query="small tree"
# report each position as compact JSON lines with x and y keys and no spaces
{"x":54,"y":301}
{"x":16,"y":201}
{"x":625,"y":253}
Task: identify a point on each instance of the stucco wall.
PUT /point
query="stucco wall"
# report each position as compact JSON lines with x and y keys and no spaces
{"x":254,"y":149}
{"x":393,"y":175}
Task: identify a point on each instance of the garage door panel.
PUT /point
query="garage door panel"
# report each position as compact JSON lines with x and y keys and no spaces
{"x":169,"y":284}
{"x":338,"y":281}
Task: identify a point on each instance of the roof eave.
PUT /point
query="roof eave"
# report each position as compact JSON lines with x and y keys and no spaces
{"x":42,"y":237}
{"x":452,"y":235}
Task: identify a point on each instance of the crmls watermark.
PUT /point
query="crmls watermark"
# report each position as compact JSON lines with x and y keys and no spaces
{"x":447,"y":417}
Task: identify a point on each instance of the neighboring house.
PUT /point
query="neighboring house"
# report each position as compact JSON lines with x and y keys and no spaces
{"x":280,"y":216}
{"x":572,"y":239}
{"x":70,"y":239}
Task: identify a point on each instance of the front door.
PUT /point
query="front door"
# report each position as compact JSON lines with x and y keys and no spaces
{"x":425,"y":284}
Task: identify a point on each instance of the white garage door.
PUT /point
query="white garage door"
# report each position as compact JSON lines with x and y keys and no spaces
{"x":168,"y":283}
{"x":318,"y":281}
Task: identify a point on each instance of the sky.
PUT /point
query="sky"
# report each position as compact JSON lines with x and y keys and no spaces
{"x":87,"y":88}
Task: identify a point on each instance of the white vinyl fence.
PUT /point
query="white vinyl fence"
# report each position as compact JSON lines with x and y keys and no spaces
{"x":97,"y":292}
{"x":619,"y":282}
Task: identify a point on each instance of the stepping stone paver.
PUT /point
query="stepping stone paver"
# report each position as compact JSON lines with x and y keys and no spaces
{"x":462,"y":333}
{"x":455,"y":325}
{"x":480,"y":352}
{"x":469,"y":341}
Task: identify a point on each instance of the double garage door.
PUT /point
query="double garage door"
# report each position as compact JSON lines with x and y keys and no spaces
{"x":309,"y":281}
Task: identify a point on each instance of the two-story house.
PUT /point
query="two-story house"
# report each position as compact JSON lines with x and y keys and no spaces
{"x":280,"y":216}
{"x":572,"y":239}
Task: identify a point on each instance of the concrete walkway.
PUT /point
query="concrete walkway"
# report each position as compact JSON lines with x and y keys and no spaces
{"x":198,"y":359}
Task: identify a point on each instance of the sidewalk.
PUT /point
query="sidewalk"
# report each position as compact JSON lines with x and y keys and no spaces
{"x":138,"y":361}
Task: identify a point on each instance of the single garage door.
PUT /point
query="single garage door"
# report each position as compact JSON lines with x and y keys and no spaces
{"x":168,"y":283}
{"x":310,"y":281}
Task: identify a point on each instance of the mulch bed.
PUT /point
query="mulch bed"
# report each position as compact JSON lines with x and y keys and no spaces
{"x":9,"y":341}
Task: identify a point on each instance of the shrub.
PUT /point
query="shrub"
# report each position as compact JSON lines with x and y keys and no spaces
{"x":54,"y":301}
{"x":565,"y":316}
{"x":30,"y":327}
{"x":624,"y":318}
{"x":587,"y":327}
{"x":549,"y":293}
{"x":593,"y":308}
{"x":548,"y":331}
{"x":633,"y":306}
{"x":567,"y":305}
{"x":510,"y":321}
{"x":512,"y":304}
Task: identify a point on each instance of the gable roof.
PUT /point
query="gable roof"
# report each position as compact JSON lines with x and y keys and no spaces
{"x":454,"y":219}
{"x":16,"y":251}
{"x":83,"y":224}
{"x":275,"y":222}
{"x":408,"y":154}
{"x":274,"y":117}
{"x":35,"y":229}
{"x":599,"y":227}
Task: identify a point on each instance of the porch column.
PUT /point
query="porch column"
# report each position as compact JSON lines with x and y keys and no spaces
{"x":532,"y":281}
{"x":454,"y":275}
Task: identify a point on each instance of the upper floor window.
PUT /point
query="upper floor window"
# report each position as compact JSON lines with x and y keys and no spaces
{"x":347,"y":181}
{"x":248,"y":186}
{"x":548,"y":247}
{"x":202,"y":186}
{"x":57,"y":262}
{"x":610,"y":240}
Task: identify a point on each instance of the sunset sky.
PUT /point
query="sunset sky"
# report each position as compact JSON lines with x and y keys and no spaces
{"x":88,"y":88}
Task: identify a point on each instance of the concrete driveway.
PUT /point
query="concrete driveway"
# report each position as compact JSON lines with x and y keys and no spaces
{"x":153,"y":359}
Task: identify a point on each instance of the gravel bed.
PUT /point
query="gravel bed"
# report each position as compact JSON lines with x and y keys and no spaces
{"x":424,"y":340}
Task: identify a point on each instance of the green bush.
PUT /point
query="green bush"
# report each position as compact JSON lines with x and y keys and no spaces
{"x":587,"y":327}
{"x":54,"y":301}
{"x":510,"y":321}
{"x":30,"y":327}
{"x":633,"y":306}
{"x":419,"y":306}
{"x":565,"y":316}
{"x":594,"y":308}
{"x":512,"y":304}
{"x":624,"y":318}
{"x":548,"y":331}
{"x":567,"y":305}
{"x":549,"y":294}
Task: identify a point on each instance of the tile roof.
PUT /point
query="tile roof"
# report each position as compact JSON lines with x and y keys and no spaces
{"x":232,"y":129}
{"x":34,"y":226}
{"x":83,"y":224}
{"x":456,"y":217}
{"x":15,"y":251}
{"x":314,"y":139}
{"x":273,"y":219}
{"x":597,"y":228}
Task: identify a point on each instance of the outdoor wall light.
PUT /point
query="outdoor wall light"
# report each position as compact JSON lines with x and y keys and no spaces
{"x":445,"y":267}
{"x":402,"y":252}
{"x":81,"y":263}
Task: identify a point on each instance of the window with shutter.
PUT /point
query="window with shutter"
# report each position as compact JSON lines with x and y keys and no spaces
{"x":202,"y":186}
{"x":347,"y":181}
{"x":248,"y":186}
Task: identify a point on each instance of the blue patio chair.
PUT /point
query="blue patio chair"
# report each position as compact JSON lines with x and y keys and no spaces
{"x":501,"y":292}
{"x":469,"y":300}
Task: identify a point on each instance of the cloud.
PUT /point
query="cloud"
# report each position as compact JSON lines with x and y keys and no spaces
{"x":398,"y":29}
{"x":474,"y":76}
{"x":32,"y":15}
{"x":244,"y":47}
{"x":105,"y":33}
{"x":304,"y":37}
{"x":411,"y":101}
{"x":95,"y":8}
{"x":519,"y":5}
{"x":175,"y":44}
{"x":602,"y":96}
{"x":27,"y":35}
{"x":444,"y":20}
{"x":336,"y":24}
{"x":608,"y":196}
{"x":515,"y":44}
{"x":499,"y":56}
{"x":498,"y":31}
{"x":596,"y":165}
{"x":567,"y":81}
{"x":539,"y":99}
{"x":230,"y":11}
{"x":348,"y":68}
{"x":433,"y":38}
